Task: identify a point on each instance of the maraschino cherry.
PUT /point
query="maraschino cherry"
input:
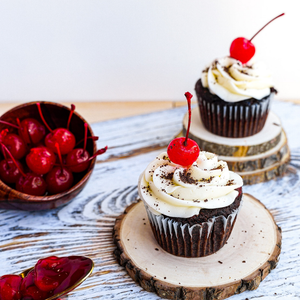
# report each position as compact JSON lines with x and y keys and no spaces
{"x":31,"y":130}
{"x":63,"y":136}
{"x":14,"y":143}
{"x":243,"y":49}
{"x":30,"y":291}
{"x":40,"y":160}
{"x":10,"y":287}
{"x":59,"y":179}
{"x":184,"y":151}
{"x":9,"y":171}
{"x":78,"y":159}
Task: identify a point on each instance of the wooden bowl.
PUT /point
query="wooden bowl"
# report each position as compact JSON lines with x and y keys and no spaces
{"x":56,"y":115}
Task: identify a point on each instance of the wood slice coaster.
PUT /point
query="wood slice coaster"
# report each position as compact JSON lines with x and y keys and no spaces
{"x":259,"y":161}
{"x":266,"y":174}
{"x":251,"y":252}
{"x":261,"y":142}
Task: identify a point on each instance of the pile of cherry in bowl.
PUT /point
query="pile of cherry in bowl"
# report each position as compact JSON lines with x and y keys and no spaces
{"x":39,"y":159}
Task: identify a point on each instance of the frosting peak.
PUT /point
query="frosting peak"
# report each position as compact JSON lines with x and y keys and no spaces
{"x":233,"y":81}
{"x":172,"y":190}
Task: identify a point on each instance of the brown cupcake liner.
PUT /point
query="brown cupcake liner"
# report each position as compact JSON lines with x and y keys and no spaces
{"x":191,"y":241}
{"x":234,"y":120}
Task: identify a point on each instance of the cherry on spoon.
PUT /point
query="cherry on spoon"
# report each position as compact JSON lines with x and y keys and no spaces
{"x":243,"y":49}
{"x":184,"y":151}
{"x":48,"y":273}
{"x":10,"y":287}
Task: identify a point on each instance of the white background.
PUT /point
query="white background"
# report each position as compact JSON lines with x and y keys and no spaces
{"x":102,"y":50}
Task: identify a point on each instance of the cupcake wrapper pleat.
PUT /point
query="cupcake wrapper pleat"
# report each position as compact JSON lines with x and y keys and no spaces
{"x":234,"y":120}
{"x":191,"y":241}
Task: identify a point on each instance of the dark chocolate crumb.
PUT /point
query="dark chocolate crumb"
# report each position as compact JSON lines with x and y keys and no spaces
{"x":220,"y":262}
{"x":156,"y":249}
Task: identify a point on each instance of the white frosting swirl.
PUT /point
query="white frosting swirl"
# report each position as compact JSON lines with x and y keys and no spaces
{"x":172,"y":190}
{"x":232,"y":81}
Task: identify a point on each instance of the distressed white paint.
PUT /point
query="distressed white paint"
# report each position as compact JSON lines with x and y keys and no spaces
{"x":84,"y":226}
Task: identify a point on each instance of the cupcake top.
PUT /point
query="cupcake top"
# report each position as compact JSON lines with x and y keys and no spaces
{"x":233,"y":81}
{"x":175,"y":191}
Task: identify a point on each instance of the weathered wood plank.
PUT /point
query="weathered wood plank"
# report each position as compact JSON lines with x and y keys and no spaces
{"x":84,"y":226}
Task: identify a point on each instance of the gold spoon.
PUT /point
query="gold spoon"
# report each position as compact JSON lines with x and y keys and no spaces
{"x":69,"y":289}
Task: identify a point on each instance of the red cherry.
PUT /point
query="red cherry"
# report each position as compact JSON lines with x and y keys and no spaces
{"x":9,"y":172}
{"x":50,"y":272}
{"x":181,"y":153}
{"x":59,"y":179}
{"x":10,"y":287}
{"x":98,"y":152}
{"x":65,"y":138}
{"x":242,"y":49}
{"x":184,"y":151}
{"x":79,"y":157}
{"x":15,"y":145}
{"x":54,"y":274}
{"x":31,"y":184}
{"x":40,"y":160}
{"x":31,"y":130}
{"x":30,"y":291}
{"x":78,"y":160}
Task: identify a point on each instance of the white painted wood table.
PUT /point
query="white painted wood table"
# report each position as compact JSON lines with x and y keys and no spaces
{"x":84,"y":226}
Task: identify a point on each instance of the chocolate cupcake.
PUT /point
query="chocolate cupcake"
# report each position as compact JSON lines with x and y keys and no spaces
{"x":234,"y":98}
{"x":192,"y":210}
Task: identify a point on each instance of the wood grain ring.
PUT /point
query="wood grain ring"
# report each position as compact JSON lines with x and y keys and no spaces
{"x":251,"y":253}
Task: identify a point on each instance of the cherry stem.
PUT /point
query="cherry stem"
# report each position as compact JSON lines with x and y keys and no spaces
{"x":59,"y":156}
{"x":94,"y":138}
{"x":10,"y":124}
{"x":85,"y":136}
{"x":99,"y":152}
{"x":4,"y":153}
{"x":19,"y":123}
{"x":264,"y":27}
{"x":3,"y":133}
{"x":5,"y":156}
{"x":70,"y":115}
{"x":13,"y":159}
{"x":188,"y":96}
{"x":42,"y":117}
